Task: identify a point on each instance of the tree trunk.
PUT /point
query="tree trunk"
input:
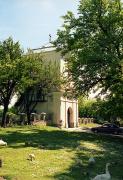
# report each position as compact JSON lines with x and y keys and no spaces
{"x":28,"y":116}
{"x":3,"y":123}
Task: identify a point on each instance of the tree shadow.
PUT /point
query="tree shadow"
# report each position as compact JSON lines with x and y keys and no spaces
{"x":107,"y":151}
{"x":35,"y":137}
{"x":103,"y":148}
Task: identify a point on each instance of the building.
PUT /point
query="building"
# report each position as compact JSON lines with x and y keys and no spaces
{"x":58,"y":109}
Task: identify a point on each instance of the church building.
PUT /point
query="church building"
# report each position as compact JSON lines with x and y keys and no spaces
{"x":54,"y":108}
{"x":59,"y":109}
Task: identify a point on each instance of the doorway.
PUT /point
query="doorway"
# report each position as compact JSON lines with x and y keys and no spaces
{"x":70,"y":118}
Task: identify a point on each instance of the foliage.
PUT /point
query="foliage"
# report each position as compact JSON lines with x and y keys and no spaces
{"x":17,"y":72}
{"x":94,"y":42}
{"x":86,"y":107}
{"x":101,"y":110}
{"x":50,"y":79}
{"x":12,"y":116}
{"x":106,"y":111}
{"x":12,"y":110}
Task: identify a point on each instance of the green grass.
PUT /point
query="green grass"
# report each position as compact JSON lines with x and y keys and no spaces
{"x":89,"y":125}
{"x":57,"y":161}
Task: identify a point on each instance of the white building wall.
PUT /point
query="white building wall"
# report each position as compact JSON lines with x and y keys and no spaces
{"x":56,"y":109}
{"x":57,"y":106}
{"x":51,"y":108}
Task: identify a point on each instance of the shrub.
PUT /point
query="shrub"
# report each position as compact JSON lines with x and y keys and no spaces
{"x":86,"y":107}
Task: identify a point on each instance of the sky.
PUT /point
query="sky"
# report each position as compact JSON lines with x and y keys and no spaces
{"x":31,"y":21}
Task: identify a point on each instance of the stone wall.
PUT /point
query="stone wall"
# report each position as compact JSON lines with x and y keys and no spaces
{"x":86,"y":120}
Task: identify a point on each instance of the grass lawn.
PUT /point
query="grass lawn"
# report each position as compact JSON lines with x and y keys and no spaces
{"x":89,"y":125}
{"x":58,"y":158}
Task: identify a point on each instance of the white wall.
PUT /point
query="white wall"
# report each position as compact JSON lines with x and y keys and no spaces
{"x":65,"y":104}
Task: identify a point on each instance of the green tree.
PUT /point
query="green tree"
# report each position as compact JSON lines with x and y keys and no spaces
{"x":94,"y":42}
{"x":17,"y":73}
{"x":86,"y":107}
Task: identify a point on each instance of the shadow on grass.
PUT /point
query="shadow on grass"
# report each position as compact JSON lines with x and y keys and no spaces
{"x":35,"y":137}
{"x":109,"y":149}
{"x":103,"y":148}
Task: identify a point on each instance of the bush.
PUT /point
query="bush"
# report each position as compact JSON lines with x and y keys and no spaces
{"x":101,"y":110}
{"x":86,"y":107}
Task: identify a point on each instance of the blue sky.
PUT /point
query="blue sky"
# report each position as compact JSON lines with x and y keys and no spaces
{"x":31,"y":21}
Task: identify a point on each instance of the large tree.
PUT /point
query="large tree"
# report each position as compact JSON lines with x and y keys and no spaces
{"x":93,"y":39}
{"x":17,"y":72}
